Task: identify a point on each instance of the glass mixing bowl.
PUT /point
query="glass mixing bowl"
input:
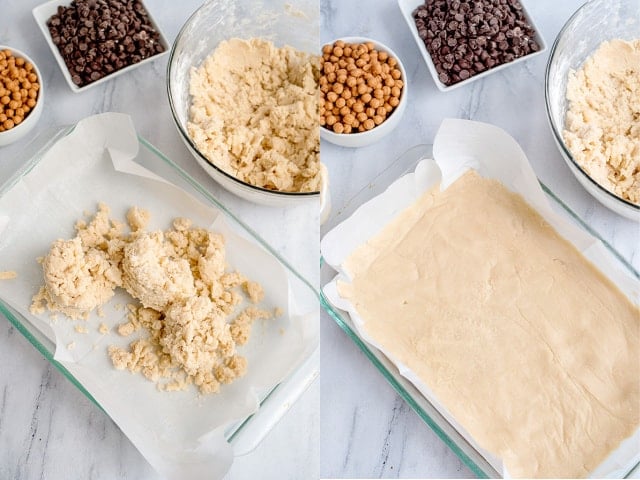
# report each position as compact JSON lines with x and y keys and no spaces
{"x":280,"y":21}
{"x":593,"y":23}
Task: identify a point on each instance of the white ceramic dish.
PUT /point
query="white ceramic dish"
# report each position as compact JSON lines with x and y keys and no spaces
{"x":214,"y":22}
{"x":16,"y":133}
{"x":362,"y":139}
{"x":592,"y":24}
{"x":43,"y":12}
{"x":408,"y":6}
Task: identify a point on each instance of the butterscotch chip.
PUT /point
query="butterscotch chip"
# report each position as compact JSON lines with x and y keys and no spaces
{"x":18,"y":90}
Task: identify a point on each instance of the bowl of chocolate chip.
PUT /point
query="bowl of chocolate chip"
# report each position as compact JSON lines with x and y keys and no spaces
{"x":21,"y":95}
{"x":465,"y":41}
{"x":96,"y":40}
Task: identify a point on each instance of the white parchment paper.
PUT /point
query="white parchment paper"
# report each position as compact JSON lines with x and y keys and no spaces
{"x":180,"y":433}
{"x":461,"y":145}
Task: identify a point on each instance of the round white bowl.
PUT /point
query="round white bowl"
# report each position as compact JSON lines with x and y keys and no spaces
{"x":219,"y":20}
{"x":19,"y":131}
{"x":361,"y":139}
{"x":593,"y":23}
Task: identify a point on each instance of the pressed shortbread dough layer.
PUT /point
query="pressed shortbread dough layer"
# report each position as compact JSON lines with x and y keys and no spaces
{"x":603,"y":117}
{"x":532,"y":350}
{"x":254,"y":113}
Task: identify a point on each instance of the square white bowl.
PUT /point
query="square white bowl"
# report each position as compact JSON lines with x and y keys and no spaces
{"x":408,"y":6}
{"x":43,"y":12}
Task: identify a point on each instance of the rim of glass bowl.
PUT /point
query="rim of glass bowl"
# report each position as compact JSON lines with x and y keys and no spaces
{"x":193,"y":146}
{"x":554,"y":129}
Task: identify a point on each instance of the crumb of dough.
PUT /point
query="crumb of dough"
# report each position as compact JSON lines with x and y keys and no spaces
{"x":241,"y":325}
{"x":231,"y":369}
{"x":80,"y":274}
{"x":191,"y":342}
{"x":138,"y":218}
{"x":81,"y":329}
{"x":277,"y":312}
{"x":254,"y":113}
{"x":602,"y":121}
{"x":40,"y":260}
{"x":186,"y":297}
{"x":8,"y":275}
{"x":181,"y":224}
{"x":100,"y":311}
{"x":100,"y":230}
{"x":196,"y":335}
{"x":126,"y":329}
{"x":173,"y":386}
{"x":77,"y":279}
{"x":253,"y":290}
{"x":71,"y":345}
{"x":153,"y":274}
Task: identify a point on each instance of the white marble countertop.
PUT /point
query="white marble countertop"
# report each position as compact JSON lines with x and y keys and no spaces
{"x":48,"y":429}
{"x":373,"y":432}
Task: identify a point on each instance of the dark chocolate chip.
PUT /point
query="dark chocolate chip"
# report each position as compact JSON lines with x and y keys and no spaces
{"x":97,"y":37}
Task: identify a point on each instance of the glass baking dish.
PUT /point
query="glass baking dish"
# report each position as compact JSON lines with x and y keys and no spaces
{"x":426,"y":411}
{"x":245,"y":434}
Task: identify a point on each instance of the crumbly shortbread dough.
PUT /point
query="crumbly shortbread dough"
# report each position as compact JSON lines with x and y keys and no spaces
{"x":603,"y":118}
{"x":153,"y":275}
{"x":80,"y":274}
{"x":138,"y":218}
{"x":530,"y":348}
{"x":254,"y":113}
{"x":180,"y":278}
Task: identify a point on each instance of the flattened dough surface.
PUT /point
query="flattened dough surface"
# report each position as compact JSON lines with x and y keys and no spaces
{"x":526,"y":344}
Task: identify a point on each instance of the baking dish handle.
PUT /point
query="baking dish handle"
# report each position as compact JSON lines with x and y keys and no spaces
{"x":280,"y":400}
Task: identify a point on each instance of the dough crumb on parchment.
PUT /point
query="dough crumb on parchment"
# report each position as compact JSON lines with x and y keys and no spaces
{"x":186,"y":320}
